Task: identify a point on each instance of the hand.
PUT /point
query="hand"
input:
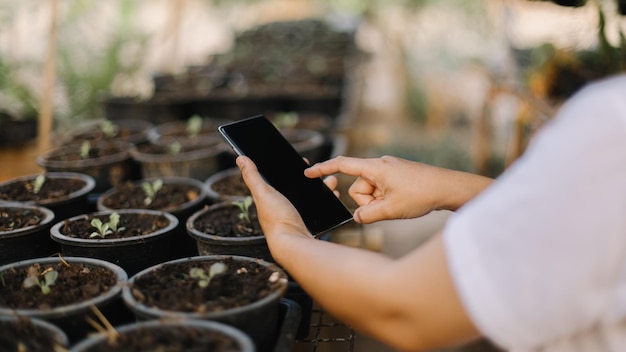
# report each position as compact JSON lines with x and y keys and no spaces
{"x":393,"y":188}
{"x":276,"y":214}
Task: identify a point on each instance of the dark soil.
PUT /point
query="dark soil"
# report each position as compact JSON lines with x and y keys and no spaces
{"x":231,"y":185}
{"x":76,"y":283}
{"x":170,"y":339}
{"x":135,"y":224}
{"x":171,"y":288}
{"x":71,"y":152}
{"x":23,"y":335}
{"x":97,"y":135}
{"x":18,"y":218}
{"x":165,"y":149}
{"x":53,"y":188}
{"x":226,"y":222}
{"x":208,"y":128}
{"x":130,"y":195}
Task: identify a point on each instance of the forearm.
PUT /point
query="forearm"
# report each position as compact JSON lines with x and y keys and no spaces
{"x":460,"y":187}
{"x":401,"y":303}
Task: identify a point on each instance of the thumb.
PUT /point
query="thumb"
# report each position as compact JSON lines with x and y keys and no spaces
{"x":250,"y":174}
{"x":367,"y":214}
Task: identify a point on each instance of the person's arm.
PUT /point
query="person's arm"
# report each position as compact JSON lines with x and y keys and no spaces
{"x":409,"y":303}
{"x":393,"y":188}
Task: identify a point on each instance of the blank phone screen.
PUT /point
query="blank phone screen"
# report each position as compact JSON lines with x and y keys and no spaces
{"x":283,"y":168}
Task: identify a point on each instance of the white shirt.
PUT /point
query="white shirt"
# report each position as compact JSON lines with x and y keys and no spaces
{"x":539,"y":258}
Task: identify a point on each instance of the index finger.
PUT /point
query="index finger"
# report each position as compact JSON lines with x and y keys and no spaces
{"x":341,"y":164}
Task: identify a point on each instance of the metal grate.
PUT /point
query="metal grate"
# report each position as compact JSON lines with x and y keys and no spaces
{"x":326,"y":334}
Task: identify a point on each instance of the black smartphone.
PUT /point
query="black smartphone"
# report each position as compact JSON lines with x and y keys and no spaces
{"x":283,"y":168}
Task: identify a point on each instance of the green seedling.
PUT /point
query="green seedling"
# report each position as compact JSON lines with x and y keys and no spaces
{"x":151,"y":190}
{"x":107,"y":228}
{"x":244,"y":208}
{"x":203,"y":279}
{"x":174,"y":148}
{"x":286,"y":119}
{"x":38,"y":183}
{"x":49,"y":277}
{"x":108,"y":128}
{"x":194,"y":125}
{"x":85,"y":147}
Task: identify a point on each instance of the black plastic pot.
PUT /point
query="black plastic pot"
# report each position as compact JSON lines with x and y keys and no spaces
{"x":183,"y":245}
{"x":108,"y":170}
{"x":133,"y":131}
{"x":192,"y":335}
{"x":208,"y":244}
{"x":198,"y":158}
{"x":133,"y":253}
{"x":231,"y":176}
{"x":28,"y":242}
{"x":258,"y":319}
{"x":30,"y":334}
{"x":72,"y":318}
{"x":63,"y":205}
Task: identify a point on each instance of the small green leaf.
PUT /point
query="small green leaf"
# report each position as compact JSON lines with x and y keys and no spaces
{"x":85,"y":147}
{"x":30,"y":281}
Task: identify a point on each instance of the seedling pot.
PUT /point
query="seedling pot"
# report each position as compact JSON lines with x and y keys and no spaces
{"x":208,"y":244}
{"x":30,"y":333}
{"x":112,"y":166}
{"x":226,"y":186}
{"x":62,"y":201}
{"x":256,"y":317}
{"x":198,"y":159}
{"x":132,"y":253}
{"x":71,"y":318}
{"x":193,"y":335}
{"x":130,"y":196}
{"x":27,"y":242}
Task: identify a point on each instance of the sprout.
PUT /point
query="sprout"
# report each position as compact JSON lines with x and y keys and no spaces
{"x":108,"y":128}
{"x":203,"y":279}
{"x":105,"y":229}
{"x":244,"y":208}
{"x":49,"y":277}
{"x":286,"y":119}
{"x":85,"y":147}
{"x":194,"y":125}
{"x":38,"y":183}
{"x":151,"y":190}
{"x":174,"y":148}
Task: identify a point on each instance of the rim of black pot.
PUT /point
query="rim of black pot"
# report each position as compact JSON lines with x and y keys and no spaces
{"x":58,"y":236}
{"x":214,"y":147}
{"x":161,"y":130}
{"x":245,"y":342}
{"x":202,"y":236}
{"x":90,"y":184}
{"x":61,"y":311}
{"x":140,"y":129}
{"x":217,"y":197}
{"x":47,"y":220}
{"x":166,"y":180}
{"x":45,"y":161}
{"x":147,"y":311}
{"x":58,"y":335}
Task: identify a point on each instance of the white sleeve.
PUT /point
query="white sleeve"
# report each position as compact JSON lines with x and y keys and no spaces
{"x":536,"y":255}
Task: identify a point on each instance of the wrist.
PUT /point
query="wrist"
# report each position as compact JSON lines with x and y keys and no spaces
{"x":461,"y":188}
